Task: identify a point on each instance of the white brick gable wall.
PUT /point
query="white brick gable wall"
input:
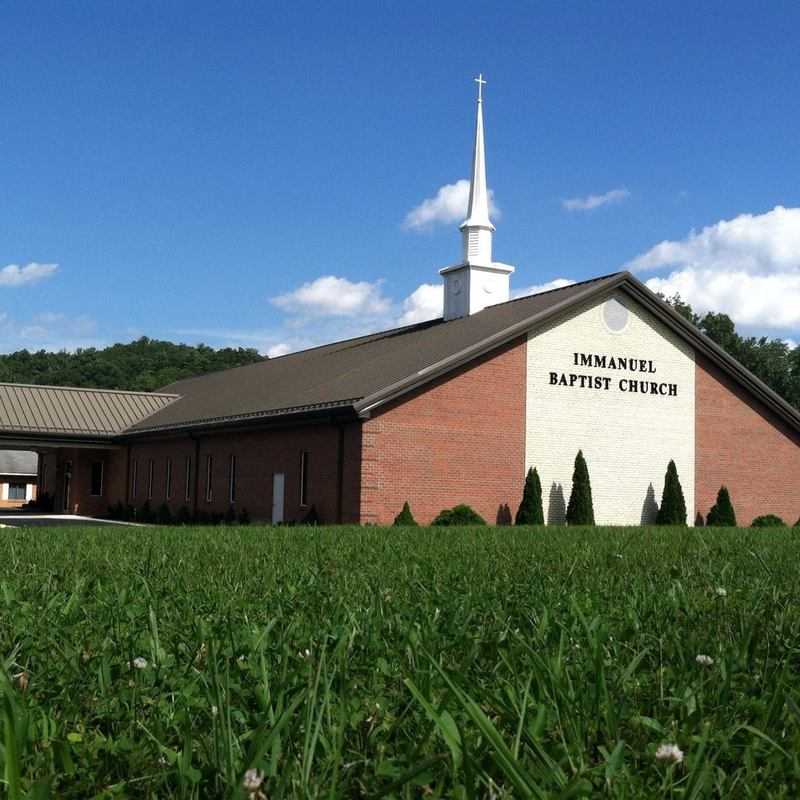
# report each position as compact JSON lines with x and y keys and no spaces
{"x":628,"y":437}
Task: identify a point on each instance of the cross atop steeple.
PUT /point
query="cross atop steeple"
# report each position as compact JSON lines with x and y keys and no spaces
{"x":481,"y":83}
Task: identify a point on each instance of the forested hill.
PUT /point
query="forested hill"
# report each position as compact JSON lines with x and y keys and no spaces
{"x":143,"y":365}
{"x":772,"y":360}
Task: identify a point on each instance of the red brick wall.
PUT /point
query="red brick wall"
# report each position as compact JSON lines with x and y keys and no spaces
{"x":259,"y":455}
{"x":458,"y":440}
{"x":741,"y":444}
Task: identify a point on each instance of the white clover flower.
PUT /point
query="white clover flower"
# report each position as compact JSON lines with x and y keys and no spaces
{"x":139,"y":663}
{"x":704,"y":660}
{"x":669,"y":752}
{"x":721,"y":591}
{"x":242,"y":658}
{"x":252,"y":781}
{"x":304,"y":653}
{"x":214,"y":711}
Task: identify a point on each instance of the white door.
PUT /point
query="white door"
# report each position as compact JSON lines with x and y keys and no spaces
{"x":278,"y":480}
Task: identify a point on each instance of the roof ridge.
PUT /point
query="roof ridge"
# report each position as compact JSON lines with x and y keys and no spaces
{"x":86,"y":389}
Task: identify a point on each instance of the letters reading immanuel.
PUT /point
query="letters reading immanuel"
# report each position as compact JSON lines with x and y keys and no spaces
{"x":614,"y":362}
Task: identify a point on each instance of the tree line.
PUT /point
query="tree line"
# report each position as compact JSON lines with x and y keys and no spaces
{"x":774,"y":361}
{"x":143,"y":365}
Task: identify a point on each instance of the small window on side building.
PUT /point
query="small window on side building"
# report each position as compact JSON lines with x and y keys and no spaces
{"x":168,"y":479}
{"x":304,"y":459}
{"x":96,"y":487}
{"x":209,"y":476}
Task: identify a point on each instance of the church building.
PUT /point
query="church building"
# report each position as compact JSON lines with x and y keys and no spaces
{"x":444,"y":412}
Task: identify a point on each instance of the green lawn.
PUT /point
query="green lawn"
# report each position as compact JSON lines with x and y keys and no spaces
{"x":146,"y":662}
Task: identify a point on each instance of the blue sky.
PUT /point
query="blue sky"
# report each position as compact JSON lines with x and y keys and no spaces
{"x":191,"y":171}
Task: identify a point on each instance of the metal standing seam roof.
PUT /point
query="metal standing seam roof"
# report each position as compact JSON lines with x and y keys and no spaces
{"x":60,"y":410}
{"x":19,"y":462}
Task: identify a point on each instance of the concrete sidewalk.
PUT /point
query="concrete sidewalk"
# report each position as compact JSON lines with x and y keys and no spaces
{"x":23,"y":520}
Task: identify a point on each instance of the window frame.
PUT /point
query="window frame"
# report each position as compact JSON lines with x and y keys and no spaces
{"x":232,"y":479}
{"x":187,"y":465}
{"x":168,"y":479}
{"x":150,"y":475}
{"x":305,"y":457}
{"x":209,"y":479}
{"x":15,"y":485}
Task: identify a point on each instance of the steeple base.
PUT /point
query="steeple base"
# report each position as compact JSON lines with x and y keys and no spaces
{"x":469,"y":288}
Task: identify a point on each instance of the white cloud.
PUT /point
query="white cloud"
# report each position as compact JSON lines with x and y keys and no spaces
{"x":14,"y":275}
{"x":756,"y":243}
{"x":595,"y":200}
{"x":48,"y":331}
{"x":791,"y":343}
{"x":424,"y":303}
{"x":448,"y":205}
{"x":332,"y":296}
{"x":768,"y":301}
{"x":280,"y":349}
{"x":558,"y":283}
{"x":747,"y":267}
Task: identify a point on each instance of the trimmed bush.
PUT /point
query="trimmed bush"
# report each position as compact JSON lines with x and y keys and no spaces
{"x":405,"y":518}
{"x":164,"y":515}
{"x":531,"y":511}
{"x":580,"y":510}
{"x":230,"y":516}
{"x":673,"y":504}
{"x":144,"y":514}
{"x":768,"y":521}
{"x":698,"y":520}
{"x":459,"y":515}
{"x":244,"y":517}
{"x":184,"y":516}
{"x":722,"y":514}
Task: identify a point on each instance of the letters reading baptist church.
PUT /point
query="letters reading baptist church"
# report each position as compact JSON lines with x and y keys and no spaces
{"x":452,"y":410}
{"x":582,"y":381}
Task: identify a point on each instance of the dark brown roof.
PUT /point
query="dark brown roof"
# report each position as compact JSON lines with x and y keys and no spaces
{"x":349,"y":372}
{"x":66,"y":411}
{"x":357,"y":375}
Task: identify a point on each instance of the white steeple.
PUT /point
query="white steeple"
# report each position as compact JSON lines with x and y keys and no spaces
{"x":477,"y":228}
{"x":477,"y":281}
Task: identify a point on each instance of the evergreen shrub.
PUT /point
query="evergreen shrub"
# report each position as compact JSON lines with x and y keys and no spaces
{"x":580,"y":510}
{"x":722,"y":514}
{"x":244,"y":517}
{"x":699,"y":522}
{"x":164,"y":515}
{"x":312,"y":517}
{"x":184,"y":516}
{"x":531,"y":511}
{"x":673,"y":504}
{"x":768,"y":521}
{"x":405,"y":518}
{"x":459,"y":515}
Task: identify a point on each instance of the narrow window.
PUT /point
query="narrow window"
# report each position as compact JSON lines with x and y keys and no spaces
{"x":304,"y":478}
{"x":17,"y":491}
{"x":150,"y":479}
{"x":134,"y":478}
{"x":232,"y":481}
{"x":96,"y":484}
{"x":209,"y":474}
{"x":168,"y":480}
{"x":188,"y":488}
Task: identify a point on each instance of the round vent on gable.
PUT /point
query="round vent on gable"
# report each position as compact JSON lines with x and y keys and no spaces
{"x":615,"y":315}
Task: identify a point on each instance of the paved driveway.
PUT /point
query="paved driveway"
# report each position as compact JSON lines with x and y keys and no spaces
{"x":21,"y":520}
